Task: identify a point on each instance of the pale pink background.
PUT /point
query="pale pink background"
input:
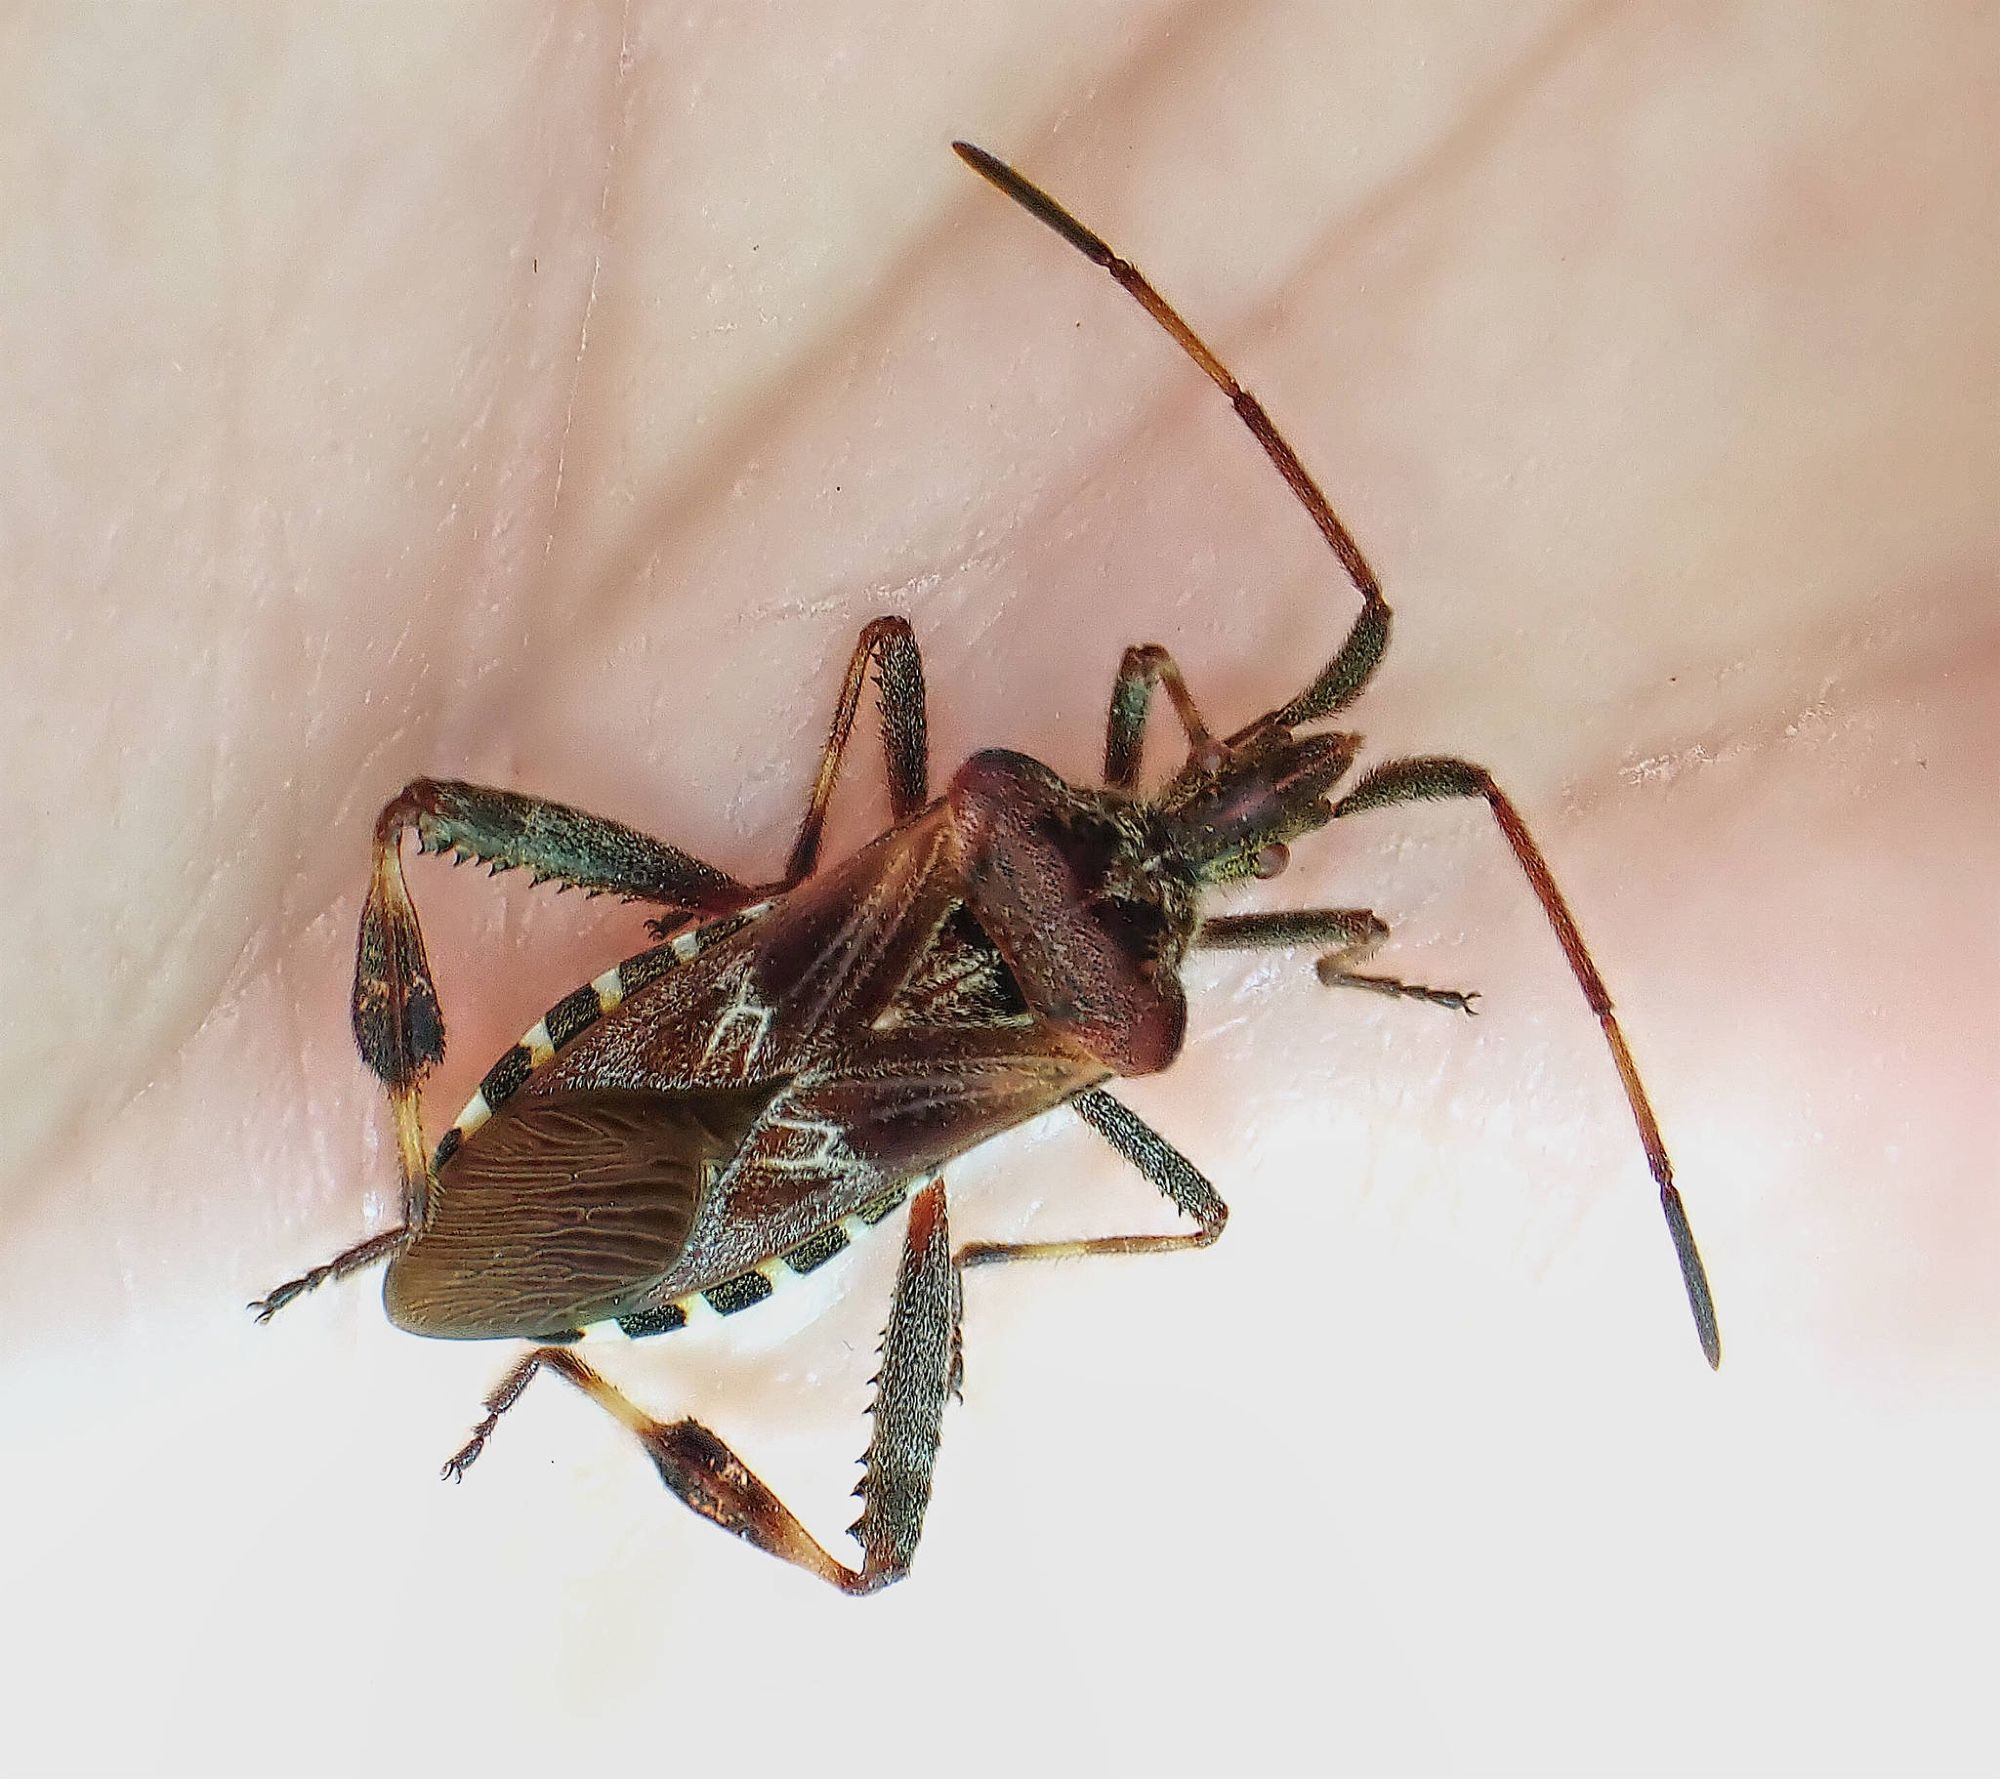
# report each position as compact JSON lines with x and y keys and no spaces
{"x":548,"y":395}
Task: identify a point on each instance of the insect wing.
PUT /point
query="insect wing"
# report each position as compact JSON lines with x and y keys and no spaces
{"x":561,"y":1208}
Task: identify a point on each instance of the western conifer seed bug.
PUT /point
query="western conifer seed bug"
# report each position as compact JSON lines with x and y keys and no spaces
{"x":790,"y":1061}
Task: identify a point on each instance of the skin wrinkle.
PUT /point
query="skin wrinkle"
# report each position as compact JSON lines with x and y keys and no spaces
{"x":792,"y":387}
{"x":788,"y":389}
{"x":1458,"y":145}
{"x":1442,"y":1272}
{"x":1429,"y":177}
{"x":876,"y":316}
{"x":798,"y":381}
{"x":616,"y":106}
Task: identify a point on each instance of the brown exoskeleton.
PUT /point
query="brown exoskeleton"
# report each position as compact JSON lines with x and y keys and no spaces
{"x":791,"y":1061}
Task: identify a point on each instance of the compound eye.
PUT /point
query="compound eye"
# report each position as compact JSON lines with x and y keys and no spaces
{"x":1268,"y":861}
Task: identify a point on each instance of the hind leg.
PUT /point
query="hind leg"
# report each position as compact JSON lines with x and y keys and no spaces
{"x":920,"y":1369}
{"x":398,"y":1024}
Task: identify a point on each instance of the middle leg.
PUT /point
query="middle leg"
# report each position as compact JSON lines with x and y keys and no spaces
{"x":1166,"y":1167}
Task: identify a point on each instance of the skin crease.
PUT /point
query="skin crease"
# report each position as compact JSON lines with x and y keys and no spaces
{"x":550,"y":404}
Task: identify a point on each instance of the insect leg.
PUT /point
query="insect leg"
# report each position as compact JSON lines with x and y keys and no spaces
{"x":1418,"y":780}
{"x":376,"y":1247}
{"x":899,"y":673}
{"x":1164,"y":1165}
{"x":400,"y":1031}
{"x":1354,"y":933}
{"x":922,"y":1364}
{"x":1144,"y":667}
{"x":554,"y":842}
{"x":398,"y":1025}
{"x":1341,"y":680}
{"x":920,"y":1369}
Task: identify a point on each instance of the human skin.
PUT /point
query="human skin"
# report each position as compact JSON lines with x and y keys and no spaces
{"x":549,"y":400}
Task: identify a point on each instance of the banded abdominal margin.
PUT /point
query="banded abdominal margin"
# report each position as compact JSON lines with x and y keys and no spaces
{"x":754,"y":1286}
{"x":567,"y":1020}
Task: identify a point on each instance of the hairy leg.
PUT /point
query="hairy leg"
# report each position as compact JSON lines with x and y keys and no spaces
{"x":569,"y":404}
{"x":920,"y":1369}
{"x":1164,"y":1166}
{"x":1352,"y":936}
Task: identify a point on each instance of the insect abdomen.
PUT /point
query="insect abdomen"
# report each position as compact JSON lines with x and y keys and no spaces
{"x":749,"y":1288}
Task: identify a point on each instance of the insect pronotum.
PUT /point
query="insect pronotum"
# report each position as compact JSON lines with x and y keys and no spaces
{"x":789,"y":1062}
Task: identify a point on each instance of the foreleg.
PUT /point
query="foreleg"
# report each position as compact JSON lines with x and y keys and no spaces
{"x":899,"y":670}
{"x":1353,"y":934}
{"x":1144,"y":667}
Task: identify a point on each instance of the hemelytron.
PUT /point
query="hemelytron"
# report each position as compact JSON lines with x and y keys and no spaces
{"x":569,"y":1016}
{"x":793,"y":1062}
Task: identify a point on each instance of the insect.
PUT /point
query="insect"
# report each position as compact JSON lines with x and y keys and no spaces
{"x":791,"y":1061}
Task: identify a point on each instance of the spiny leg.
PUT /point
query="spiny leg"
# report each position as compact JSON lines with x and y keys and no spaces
{"x":397,"y":1022}
{"x":1354,"y":933}
{"x":1341,"y":680}
{"x":400,"y":1032}
{"x":899,"y":672}
{"x":920,"y":1369}
{"x":1164,"y":1165}
{"x":398,"y":1025}
{"x":554,"y":842}
{"x":1145,"y":666}
{"x":1417,"y":780}
{"x":923,"y":1363}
